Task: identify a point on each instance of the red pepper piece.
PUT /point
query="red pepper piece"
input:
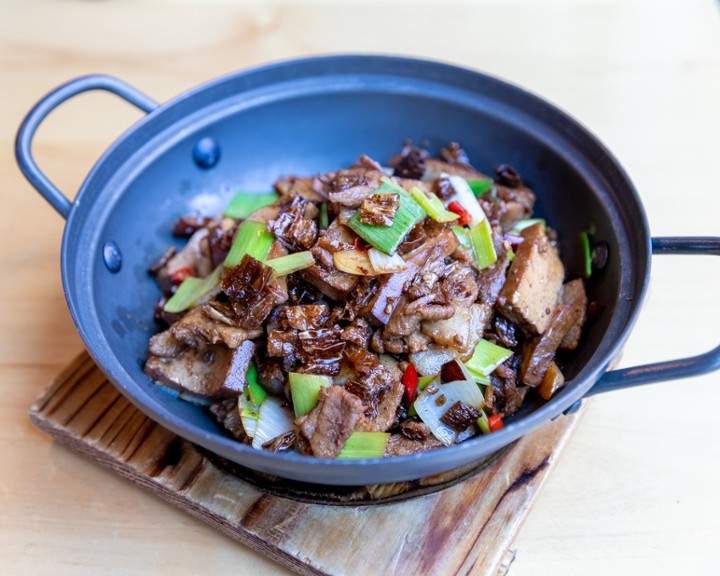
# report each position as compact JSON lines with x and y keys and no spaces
{"x":361,"y":245}
{"x":410,"y":382}
{"x":464,"y":217}
{"x":495,"y":422}
{"x":180,"y":274}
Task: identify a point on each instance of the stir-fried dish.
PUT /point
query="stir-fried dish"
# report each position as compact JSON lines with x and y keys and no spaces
{"x":367,"y":312}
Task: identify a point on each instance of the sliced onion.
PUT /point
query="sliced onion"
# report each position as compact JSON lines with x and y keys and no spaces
{"x":464,"y":195}
{"x":354,"y":262}
{"x":430,"y":406}
{"x":249,"y":414}
{"x":274,"y":420}
{"x":384,"y":264}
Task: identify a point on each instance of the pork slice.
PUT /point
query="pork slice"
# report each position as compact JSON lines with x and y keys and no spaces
{"x":517,"y":204}
{"x":326,"y":278}
{"x":533,"y":283}
{"x":540,"y":352}
{"x":350,"y":187}
{"x":291,"y":227}
{"x":311,"y":188}
{"x":491,"y":280}
{"x":226,"y":413}
{"x":574,"y":295}
{"x":436,"y":168}
{"x":206,"y":325}
{"x":327,"y":427}
{"x":401,"y":445}
{"x":307,"y":316}
{"x":463,"y":331}
{"x":195,"y":256}
{"x":214,"y":372}
{"x":383,"y":412}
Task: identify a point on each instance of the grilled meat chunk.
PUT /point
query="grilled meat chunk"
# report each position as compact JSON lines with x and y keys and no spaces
{"x":379,"y":209}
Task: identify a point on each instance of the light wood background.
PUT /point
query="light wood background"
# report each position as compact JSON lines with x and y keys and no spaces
{"x":636,"y":491}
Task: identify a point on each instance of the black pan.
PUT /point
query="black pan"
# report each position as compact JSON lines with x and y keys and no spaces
{"x":317,"y":114}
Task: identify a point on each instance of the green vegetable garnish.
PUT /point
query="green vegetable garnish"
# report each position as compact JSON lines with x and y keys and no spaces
{"x":432,"y":205}
{"x":255,"y":391}
{"x":463,"y":236}
{"x":481,"y":237}
{"x":520,"y":225}
{"x":191,"y":290}
{"x":483,"y":423}
{"x":245,"y":203}
{"x":323,"y":220}
{"x":291,"y":263}
{"x":587,"y":250}
{"x":305,"y":389}
{"x":480,"y":186}
{"x":485,"y":358}
{"x":251,"y":238}
{"x":388,"y":238}
{"x":365,"y":445}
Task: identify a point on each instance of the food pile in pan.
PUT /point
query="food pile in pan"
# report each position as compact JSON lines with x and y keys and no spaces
{"x":367,"y":312}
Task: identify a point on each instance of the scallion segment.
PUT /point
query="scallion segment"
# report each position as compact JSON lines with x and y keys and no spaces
{"x":480,"y":186}
{"x":483,"y":423}
{"x":249,"y":413}
{"x":255,"y":391}
{"x":388,"y":238}
{"x":251,"y":238}
{"x":245,"y":203}
{"x":273,"y":420}
{"x":364,"y":445}
{"x":486,"y":357}
{"x":323,"y":219}
{"x":587,"y":249}
{"x":192,"y":290}
{"x":432,"y":205}
{"x":463,"y":236}
{"x":482,"y":241}
{"x":465,"y":197}
{"x":305,"y":389}
{"x":285,"y":265}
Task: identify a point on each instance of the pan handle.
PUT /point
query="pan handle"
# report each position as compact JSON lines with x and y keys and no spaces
{"x":670,"y":369}
{"x":26,"y":133}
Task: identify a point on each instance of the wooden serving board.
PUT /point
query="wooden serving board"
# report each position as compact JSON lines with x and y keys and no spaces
{"x":464,"y":527}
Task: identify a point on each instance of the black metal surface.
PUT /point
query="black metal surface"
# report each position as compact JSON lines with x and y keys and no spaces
{"x":314,"y":115}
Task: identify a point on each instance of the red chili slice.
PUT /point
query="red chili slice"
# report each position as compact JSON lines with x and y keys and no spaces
{"x":495,"y":422}
{"x":464,"y":217}
{"x":181,"y":274}
{"x":410,"y":382}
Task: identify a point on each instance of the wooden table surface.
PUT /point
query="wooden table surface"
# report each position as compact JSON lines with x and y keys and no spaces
{"x":636,"y":491}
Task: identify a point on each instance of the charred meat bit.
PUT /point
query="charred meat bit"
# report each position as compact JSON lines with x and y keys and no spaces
{"x":251,"y":291}
{"x":454,"y":154}
{"x":443,"y":188}
{"x":291,"y":227}
{"x":410,"y":163}
{"x":186,"y":226}
{"x":459,"y":416}
{"x":281,"y":443}
{"x":379,"y":209}
{"x":507,"y":175}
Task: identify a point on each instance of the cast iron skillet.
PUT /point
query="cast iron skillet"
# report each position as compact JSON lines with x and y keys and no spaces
{"x":305,"y":116}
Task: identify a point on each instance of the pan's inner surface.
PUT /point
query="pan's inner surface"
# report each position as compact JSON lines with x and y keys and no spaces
{"x":291,"y":120}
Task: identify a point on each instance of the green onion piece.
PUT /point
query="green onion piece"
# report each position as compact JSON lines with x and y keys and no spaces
{"x":463,"y":236}
{"x":291,"y":263}
{"x":480,"y":186}
{"x":587,"y":250}
{"x":432,"y":205}
{"x":251,"y":238}
{"x":483,"y":423}
{"x":520,"y":225}
{"x":255,"y":391}
{"x":304,"y":390}
{"x":249,"y":413}
{"x":388,"y":238}
{"x":510,"y":255}
{"x":245,"y":203}
{"x":191,"y":290}
{"x":486,"y":357}
{"x":323,"y":220}
{"x":481,"y":236}
{"x":365,"y":445}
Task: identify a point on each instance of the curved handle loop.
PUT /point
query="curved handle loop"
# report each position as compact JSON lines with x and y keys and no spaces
{"x":23,"y":143}
{"x":671,"y":369}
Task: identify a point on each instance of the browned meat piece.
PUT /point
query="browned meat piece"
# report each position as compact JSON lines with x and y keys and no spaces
{"x":415,"y":430}
{"x":265,"y":214}
{"x":195,"y":256}
{"x":400,"y":445}
{"x":336,"y":237}
{"x":271,"y":374}
{"x":226,"y":413}
{"x":417,"y":342}
{"x":491,"y":280}
{"x":282,"y":344}
{"x":202,"y":326}
{"x":508,"y":176}
{"x":326,"y":278}
{"x":463,"y":331}
{"x":533,"y":282}
{"x":350,"y":187}
{"x":516,"y":204}
{"x":504,"y":395}
{"x":573,"y":294}
{"x":220,"y":239}
{"x":312,"y":189}
{"x":540,"y":352}
{"x":319,"y":351}
{"x":435,"y":169}
{"x":459,"y":416}
{"x":327,"y":427}
{"x":252,"y":292}
{"x":161,"y":262}
{"x":186,"y":226}
{"x":214,"y":372}
{"x":458,"y":284}
{"x":357,"y":333}
{"x":410,"y":163}
{"x":454,"y":154}
{"x":281,"y":443}
{"x":379,"y":209}
{"x":367,"y":163}
{"x":306,"y":317}
{"x":505,"y":332}
{"x":383,"y":413}
{"x":291,"y":227}
{"x":443,"y":188}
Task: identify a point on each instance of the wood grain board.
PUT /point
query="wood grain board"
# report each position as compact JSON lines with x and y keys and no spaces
{"x":464,"y":528}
